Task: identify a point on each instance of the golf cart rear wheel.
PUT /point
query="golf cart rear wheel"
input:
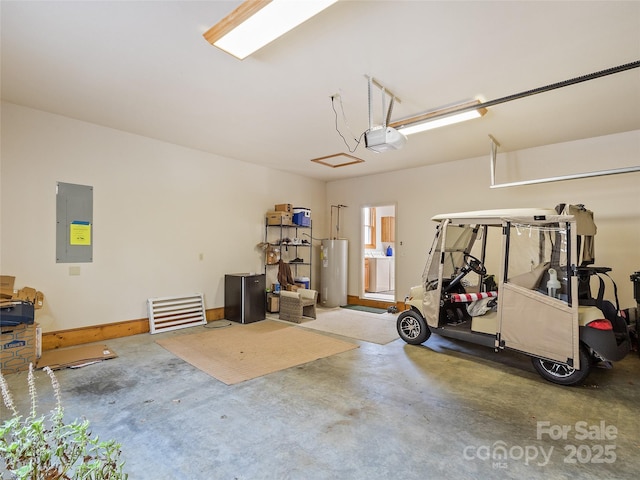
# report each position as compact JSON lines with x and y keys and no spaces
{"x":563,"y":374}
{"x":412,"y":328}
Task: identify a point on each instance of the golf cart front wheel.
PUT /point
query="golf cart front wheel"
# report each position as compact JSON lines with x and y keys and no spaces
{"x":412,"y":328}
{"x":560,"y":373}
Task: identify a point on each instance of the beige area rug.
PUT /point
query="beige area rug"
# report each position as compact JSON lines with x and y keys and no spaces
{"x":369,"y":327}
{"x":242,"y":352}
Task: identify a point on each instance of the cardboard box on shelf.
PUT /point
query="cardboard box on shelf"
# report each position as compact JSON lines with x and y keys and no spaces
{"x":273,"y":303}
{"x":6,"y":286}
{"x":284,"y":207}
{"x":278,"y":218}
{"x":292,"y":288}
{"x":17,"y":348}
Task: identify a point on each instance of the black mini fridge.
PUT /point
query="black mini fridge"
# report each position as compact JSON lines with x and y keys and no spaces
{"x":245,"y":297}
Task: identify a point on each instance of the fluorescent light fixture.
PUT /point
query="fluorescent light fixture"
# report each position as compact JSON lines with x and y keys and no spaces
{"x":255,"y":23}
{"x":439,"y":118}
{"x":440,"y":122}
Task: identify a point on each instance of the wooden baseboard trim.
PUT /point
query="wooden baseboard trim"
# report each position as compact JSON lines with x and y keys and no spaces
{"x":365,"y":302}
{"x":99,"y":333}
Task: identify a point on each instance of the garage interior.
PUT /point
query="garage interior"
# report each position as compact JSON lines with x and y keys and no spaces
{"x":185,"y":148}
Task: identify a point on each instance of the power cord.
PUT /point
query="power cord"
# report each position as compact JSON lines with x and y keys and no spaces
{"x":218,"y":324}
{"x":313,"y":238}
{"x":344,"y":118}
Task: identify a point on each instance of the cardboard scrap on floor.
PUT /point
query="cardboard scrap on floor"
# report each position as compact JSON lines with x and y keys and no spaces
{"x":75,"y":357}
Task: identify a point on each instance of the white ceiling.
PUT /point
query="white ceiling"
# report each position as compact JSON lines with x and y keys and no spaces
{"x":144,"y":67}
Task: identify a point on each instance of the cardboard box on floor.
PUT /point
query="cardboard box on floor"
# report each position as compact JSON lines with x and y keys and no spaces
{"x":75,"y":357}
{"x":17,"y":348}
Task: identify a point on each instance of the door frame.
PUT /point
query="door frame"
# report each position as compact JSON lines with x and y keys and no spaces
{"x":362,"y":248}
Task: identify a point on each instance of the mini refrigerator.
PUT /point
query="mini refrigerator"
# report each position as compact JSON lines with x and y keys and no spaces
{"x":245,"y":297}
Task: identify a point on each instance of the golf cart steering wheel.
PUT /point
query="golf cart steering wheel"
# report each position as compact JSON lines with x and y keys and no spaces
{"x":471,"y":264}
{"x":474,"y":265}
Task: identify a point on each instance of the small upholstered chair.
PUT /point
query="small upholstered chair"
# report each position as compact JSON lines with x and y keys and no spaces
{"x":298,"y":304}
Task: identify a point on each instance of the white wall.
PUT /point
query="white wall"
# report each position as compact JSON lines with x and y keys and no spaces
{"x":423,"y":192}
{"x":157,"y":207}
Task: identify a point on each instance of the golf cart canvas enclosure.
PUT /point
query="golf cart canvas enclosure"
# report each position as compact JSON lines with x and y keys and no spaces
{"x":519,"y":279}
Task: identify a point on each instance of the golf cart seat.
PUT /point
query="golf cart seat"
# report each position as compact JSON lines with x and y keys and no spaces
{"x":532,"y":279}
{"x":484,"y":319}
{"x":471,"y":297}
{"x":611,"y":312}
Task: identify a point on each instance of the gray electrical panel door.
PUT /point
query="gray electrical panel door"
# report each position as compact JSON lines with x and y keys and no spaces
{"x":74,"y":223}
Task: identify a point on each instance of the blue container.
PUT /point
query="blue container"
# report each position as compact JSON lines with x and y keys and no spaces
{"x":16,"y":313}
{"x":389,"y":251}
{"x":302,"y":216}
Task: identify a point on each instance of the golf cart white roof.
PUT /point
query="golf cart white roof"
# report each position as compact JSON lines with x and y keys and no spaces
{"x":495,"y":216}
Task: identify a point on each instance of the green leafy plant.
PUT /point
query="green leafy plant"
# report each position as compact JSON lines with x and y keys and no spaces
{"x":45,"y":448}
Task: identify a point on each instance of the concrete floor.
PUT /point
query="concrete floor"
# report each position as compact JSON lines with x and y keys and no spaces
{"x":392,"y":411}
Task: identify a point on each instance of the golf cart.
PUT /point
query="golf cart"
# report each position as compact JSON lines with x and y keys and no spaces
{"x":519,"y":279}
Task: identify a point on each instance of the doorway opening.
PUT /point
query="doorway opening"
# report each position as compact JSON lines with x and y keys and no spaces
{"x":378,"y":252}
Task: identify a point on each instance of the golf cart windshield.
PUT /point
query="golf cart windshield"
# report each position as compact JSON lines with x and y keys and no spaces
{"x":458,"y":241}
